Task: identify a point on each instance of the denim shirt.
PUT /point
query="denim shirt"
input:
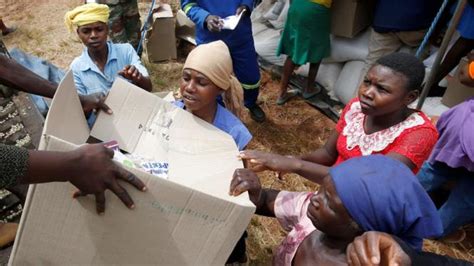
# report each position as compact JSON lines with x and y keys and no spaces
{"x":90,"y":79}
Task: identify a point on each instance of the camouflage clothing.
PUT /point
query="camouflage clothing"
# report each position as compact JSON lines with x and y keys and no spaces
{"x":124,"y":21}
{"x":13,"y":132}
{"x":12,"y":129}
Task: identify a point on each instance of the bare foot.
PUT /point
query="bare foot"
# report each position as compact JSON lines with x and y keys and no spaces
{"x":8,"y":31}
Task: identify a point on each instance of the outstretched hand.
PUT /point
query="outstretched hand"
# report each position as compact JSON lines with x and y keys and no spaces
{"x":96,"y":172}
{"x":260,"y":161}
{"x":376,"y":248}
{"x":246,"y":180}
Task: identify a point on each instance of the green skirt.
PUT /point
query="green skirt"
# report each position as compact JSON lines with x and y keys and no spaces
{"x":306,"y":34}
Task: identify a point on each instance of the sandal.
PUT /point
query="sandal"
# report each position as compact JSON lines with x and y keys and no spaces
{"x":287,"y":96}
{"x":306,"y":95}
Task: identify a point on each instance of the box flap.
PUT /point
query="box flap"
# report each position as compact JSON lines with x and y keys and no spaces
{"x":185,"y":28}
{"x":131,"y":122}
{"x":65,"y":118}
{"x":162,"y":11}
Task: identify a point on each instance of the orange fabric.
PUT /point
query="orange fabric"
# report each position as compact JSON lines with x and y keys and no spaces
{"x":471,"y":70}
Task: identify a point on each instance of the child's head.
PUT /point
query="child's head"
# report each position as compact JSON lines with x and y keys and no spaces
{"x":374,"y":193}
{"x":91,"y":23}
{"x":207,"y":73}
{"x":391,"y":84}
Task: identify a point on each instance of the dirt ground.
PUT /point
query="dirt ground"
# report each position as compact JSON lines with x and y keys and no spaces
{"x":293,"y":129}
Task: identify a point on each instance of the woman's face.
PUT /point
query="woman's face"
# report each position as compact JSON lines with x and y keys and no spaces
{"x":197,"y":90}
{"x":94,"y":35}
{"x":328,"y":214}
{"x":383,"y":91}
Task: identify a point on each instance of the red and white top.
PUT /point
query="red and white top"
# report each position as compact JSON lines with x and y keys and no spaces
{"x":413,"y":138}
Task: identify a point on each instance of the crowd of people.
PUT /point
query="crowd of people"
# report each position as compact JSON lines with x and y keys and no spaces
{"x":377,"y":173}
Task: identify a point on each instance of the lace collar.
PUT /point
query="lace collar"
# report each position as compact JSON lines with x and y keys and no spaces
{"x":377,"y":141}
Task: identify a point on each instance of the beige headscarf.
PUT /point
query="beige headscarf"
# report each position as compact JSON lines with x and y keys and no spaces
{"x":214,"y":61}
{"x":86,"y":14}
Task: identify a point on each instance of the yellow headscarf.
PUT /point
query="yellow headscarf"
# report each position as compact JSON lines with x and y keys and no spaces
{"x":214,"y":61}
{"x":86,"y":14}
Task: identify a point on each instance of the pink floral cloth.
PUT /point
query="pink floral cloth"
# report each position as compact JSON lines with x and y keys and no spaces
{"x":290,"y":210}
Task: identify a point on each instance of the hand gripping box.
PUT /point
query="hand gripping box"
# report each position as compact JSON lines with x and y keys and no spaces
{"x":187,"y":219}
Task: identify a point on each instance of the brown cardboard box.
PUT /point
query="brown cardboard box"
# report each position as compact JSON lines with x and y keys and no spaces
{"x":185,"y":28}
{"x":457,"y":92}
{"x":187,"y":219}
{"x":349,"y":17}
{"x":160,"y":40}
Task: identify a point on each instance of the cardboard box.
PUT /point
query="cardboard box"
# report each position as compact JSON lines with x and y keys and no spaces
{"x":160,"y":40}
{"x":349,"y":17}
{"x":457,"y":92}
{"x":185,"y":28}
{"x":188,"y":219}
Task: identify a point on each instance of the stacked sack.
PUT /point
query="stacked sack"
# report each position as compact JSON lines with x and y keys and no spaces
{"x":339,"y":74}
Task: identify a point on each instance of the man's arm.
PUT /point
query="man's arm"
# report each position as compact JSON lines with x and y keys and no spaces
{"x":197,"y":14}
{"x":90,"y":168}
{"x":20,"y":78}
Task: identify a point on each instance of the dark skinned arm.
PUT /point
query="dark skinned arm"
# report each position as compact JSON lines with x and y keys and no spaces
{"x":260,"y":161}
{"x":89,"y":168}
{"x":402,"y":159}
{"x":313,"y":166}
{"x":327,"y":155}
{"x":264,"y":199}
{"x":132,"y":73}
{"x":20,"y":78}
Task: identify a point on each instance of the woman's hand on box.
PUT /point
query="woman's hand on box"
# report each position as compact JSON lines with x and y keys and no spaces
{"x":246,"y":180}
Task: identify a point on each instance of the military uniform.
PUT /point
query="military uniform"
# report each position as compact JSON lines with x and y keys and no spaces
{"x":20,"y":125}
{"x":124,"y":21}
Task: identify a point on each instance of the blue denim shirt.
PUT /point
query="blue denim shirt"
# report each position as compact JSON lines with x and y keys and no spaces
{"x":229,"y":123}
{"x":88,"y":77}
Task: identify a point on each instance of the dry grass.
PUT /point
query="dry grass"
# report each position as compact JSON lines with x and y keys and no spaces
{"x":293,"y":129}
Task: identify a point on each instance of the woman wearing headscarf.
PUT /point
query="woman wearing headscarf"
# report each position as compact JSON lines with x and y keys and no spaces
{"x":369,"y":193}
{"x":207,"y":73}
{"x":102,"y":61}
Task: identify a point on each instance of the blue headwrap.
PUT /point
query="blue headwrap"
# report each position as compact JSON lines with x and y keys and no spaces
{"x":382,"y":194}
